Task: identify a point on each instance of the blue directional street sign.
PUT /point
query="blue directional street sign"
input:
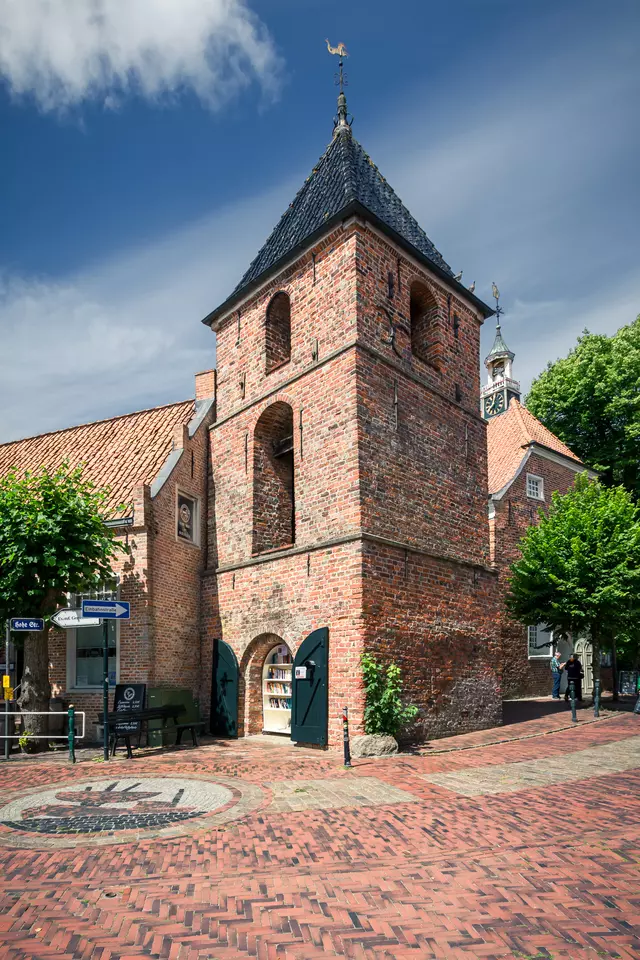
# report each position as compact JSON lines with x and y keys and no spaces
{"x":106,"y":609}
{"x":30,"y":624}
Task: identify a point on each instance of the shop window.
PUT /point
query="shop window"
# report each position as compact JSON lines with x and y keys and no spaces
{"x":425,"y":336}
{"x":187,"y":518}
{"x":85,"y":646}
{"x":274,"y":522}
{"x":278,"y":332}
{"x":535,"y":487}
{"x":540,"y":642}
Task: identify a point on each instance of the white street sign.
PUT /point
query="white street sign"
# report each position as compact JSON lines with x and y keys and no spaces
{"x":71,"y":619}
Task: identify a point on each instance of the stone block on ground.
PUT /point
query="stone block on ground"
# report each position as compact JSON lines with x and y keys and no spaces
{"x":374,"y":745}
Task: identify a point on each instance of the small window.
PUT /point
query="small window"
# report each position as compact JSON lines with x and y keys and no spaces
{"x":278,"y":332}
{"x":425,"y":331}
{"x":187,"y":518}
{"x":540,"y":642}
{"x":535,"y":487}
{"x":85,"y":646}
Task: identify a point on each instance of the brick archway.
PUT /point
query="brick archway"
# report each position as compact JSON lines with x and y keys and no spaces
{"x":250,"y":682}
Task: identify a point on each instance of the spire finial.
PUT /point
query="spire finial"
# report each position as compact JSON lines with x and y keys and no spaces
{"x":499,"y":310}
{"x":341,"y":122}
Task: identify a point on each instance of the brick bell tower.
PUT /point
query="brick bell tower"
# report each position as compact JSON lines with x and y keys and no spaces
{"x":348,"y":471}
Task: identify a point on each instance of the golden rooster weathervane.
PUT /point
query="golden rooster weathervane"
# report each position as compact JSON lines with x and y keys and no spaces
{"x":339,"y":51}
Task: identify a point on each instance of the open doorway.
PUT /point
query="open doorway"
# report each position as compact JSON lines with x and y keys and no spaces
{"x":276,"y":690}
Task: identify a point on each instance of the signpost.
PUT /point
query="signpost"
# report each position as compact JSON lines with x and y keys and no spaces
{"x":106,"y":610}
{"x":26,"y":624}
{"x":72,"y":619}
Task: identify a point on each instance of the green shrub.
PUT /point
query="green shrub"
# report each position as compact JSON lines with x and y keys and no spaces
{"x":384,"y":711}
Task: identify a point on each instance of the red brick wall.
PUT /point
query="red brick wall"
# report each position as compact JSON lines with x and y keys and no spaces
{"x":273,"y":488}
{"x":176,"y":567}
{"x":513,"y":515}
{"x":160,"y":577}
{"x":285,"y":599}
{"x":423,"y":484}
{"x":436,"y":620}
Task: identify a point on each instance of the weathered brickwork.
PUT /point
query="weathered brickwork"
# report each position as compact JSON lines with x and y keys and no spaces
{"x":159,"y":574}
{"x":391,"y":545}
{"x":516,"y":512}
{"x":437,"y":620}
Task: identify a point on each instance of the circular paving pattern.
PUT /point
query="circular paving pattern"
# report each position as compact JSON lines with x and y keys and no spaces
{"x":109,"y":810}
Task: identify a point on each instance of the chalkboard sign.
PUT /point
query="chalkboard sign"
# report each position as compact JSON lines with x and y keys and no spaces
{"x":628,"y":683}
{"x":128,"y":697}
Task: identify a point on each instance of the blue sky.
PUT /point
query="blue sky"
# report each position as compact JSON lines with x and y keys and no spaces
{"x":147,"y":153}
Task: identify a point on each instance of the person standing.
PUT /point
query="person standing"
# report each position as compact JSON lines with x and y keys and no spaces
{"x":575,"y":674}
{"x":556,"y":673}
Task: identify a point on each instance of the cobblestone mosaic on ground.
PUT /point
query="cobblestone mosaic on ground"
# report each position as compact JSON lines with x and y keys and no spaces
{"x":376,"y":862}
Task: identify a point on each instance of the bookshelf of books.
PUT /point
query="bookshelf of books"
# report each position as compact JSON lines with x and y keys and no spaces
{"x":276,"y":690}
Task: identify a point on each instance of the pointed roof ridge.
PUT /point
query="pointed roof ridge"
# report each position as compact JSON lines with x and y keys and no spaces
{"x":508,"y":436}
{"x":344,"y":182}
{"x":344,"y":174}
{"x":499,"y":348}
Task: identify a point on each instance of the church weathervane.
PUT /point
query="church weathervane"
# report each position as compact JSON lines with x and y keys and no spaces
{"x":341,"y":81}
{"x":496,"y":297}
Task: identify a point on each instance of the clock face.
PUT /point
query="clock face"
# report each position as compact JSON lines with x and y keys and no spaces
{"x":493,"y":404}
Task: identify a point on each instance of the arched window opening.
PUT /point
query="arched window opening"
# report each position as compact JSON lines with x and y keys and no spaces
{"x":274,"y":523}
{"x":278,"y":332}
{"x":425,"y":343}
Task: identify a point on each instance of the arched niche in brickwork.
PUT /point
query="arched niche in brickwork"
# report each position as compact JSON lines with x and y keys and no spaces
{"x":274,"y":514}
{"x":425,"y":327}
{"x":278,"y":332}
{"x":250,"y":701}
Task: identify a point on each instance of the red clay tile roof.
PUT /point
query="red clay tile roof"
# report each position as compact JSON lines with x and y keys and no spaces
{"x":508,"y":435}
{"x":120,"y":453}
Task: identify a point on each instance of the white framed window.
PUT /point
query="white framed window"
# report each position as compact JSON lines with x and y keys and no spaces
{"x":187,"y":518}
{"x":85,"y":646}
{"x":535,"y":487}
{"x":540,"y":640}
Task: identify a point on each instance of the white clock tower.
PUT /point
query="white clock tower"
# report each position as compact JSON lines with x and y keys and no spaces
{"x":500,"y":387}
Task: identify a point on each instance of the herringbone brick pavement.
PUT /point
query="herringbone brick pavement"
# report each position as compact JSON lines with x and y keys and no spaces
{"x":548,"y":871}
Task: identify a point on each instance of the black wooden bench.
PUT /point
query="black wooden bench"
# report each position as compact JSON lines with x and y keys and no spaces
{"x":115,"y":719}
{"x":195,"y":726}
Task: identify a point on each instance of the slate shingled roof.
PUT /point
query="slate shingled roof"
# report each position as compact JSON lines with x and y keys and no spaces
{"x":120,"y":453}
{"x":508,"y":436}
{"x":344,"y":175}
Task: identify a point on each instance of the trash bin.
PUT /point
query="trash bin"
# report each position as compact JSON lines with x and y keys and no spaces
{"x":57,"y":717}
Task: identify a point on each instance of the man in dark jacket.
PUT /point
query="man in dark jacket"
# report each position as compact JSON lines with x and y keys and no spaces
{"x":575,"y":673}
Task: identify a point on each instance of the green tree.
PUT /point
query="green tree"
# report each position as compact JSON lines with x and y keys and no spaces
{"x":384,"y":711}
{"x":580,"y":566}
{"x":53,"y":541}
{"x":591,"y":400}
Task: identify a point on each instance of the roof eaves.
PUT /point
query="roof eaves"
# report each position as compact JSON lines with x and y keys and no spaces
{"x":574,"y":461}
{"x":353,"y":207}
{"x":499,"y":494}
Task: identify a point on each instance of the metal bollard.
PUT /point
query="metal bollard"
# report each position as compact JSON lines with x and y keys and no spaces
{"x":572,"y":697}
{"x":596,"y":698}
{"x":345,"y":735}
{"x":71,"y":714}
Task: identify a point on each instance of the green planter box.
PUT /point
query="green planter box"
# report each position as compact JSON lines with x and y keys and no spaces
{"x":165,"y":697}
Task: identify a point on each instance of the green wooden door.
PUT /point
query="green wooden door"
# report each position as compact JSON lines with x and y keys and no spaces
{"x":309,"y":709}
{"x":224,"y":691}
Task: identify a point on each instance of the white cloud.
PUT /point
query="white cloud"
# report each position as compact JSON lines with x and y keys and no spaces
{"x":531,"y":184}
{"x":62,"y":52}
{"x":515,"y":187}
{"x":126,"y":334}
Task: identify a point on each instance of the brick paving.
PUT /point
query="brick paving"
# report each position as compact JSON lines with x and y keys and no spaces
{"x":388,"y":860}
